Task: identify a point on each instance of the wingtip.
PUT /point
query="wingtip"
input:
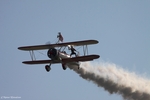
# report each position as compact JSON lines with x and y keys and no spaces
{"x":97,"y":56}
{"x":19,"y":48}
{"x":96,"y":41}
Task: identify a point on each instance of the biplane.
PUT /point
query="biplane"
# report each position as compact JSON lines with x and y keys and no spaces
{"x":57,"y":54}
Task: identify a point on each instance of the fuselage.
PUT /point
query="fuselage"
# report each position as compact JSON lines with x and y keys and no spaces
{"x":55,"y":54}
{"x":63,"y":55}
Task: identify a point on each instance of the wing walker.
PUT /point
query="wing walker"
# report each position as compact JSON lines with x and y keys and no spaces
{"x":57,"y":54}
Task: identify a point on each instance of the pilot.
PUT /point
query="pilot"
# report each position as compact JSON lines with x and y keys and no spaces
{"x":60,"y":37}
{"x":73,"y":51}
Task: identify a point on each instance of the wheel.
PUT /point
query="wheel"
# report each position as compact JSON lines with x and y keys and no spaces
{"x":78,"y":67}
{"x":47,"y":67}
{"x":64,"y":67}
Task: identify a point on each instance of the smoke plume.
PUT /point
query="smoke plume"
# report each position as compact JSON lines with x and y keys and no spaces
{"x":115,"y":80}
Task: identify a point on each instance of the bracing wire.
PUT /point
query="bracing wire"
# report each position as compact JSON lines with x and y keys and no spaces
{"x":42,"y":53}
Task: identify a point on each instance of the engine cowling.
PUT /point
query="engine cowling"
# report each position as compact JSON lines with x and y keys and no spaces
{"x":52,"y":53}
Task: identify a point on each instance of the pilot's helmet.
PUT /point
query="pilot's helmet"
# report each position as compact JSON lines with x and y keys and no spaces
{"x":69,"y":47}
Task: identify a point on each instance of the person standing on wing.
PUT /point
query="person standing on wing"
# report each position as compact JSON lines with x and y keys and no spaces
{"x":60,"y":37}
{"x":73,"y":51}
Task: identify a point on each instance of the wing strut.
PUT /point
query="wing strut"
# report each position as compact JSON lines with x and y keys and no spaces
{"x":32,"y":55}
{"x":85,"y":50}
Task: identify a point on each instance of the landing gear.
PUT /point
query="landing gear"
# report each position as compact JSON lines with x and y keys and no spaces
{"x":64,"y":66}
{"x":78,"y":67}
{"x":48,"y":68}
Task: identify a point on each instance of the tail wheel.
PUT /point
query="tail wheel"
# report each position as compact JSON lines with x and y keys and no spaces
{"x":47,"y":67}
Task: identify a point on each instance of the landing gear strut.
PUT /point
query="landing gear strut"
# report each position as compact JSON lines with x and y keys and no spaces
{"x":48,"y":68}
{"x":64,"y":67}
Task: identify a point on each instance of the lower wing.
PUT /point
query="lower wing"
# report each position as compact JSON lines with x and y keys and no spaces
{"x":41,"y":62}
{"x":80,"y":58}
{"x":65,"y":60}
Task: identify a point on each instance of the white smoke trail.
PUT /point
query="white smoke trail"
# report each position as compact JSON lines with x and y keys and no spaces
{"x":115,"y":80}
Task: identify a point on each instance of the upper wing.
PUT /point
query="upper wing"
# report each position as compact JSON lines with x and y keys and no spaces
{"x":66,"y":60}
{"x":40,"y":47}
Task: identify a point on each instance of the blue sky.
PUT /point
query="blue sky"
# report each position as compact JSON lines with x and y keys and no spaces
{"x":121,"y":27}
